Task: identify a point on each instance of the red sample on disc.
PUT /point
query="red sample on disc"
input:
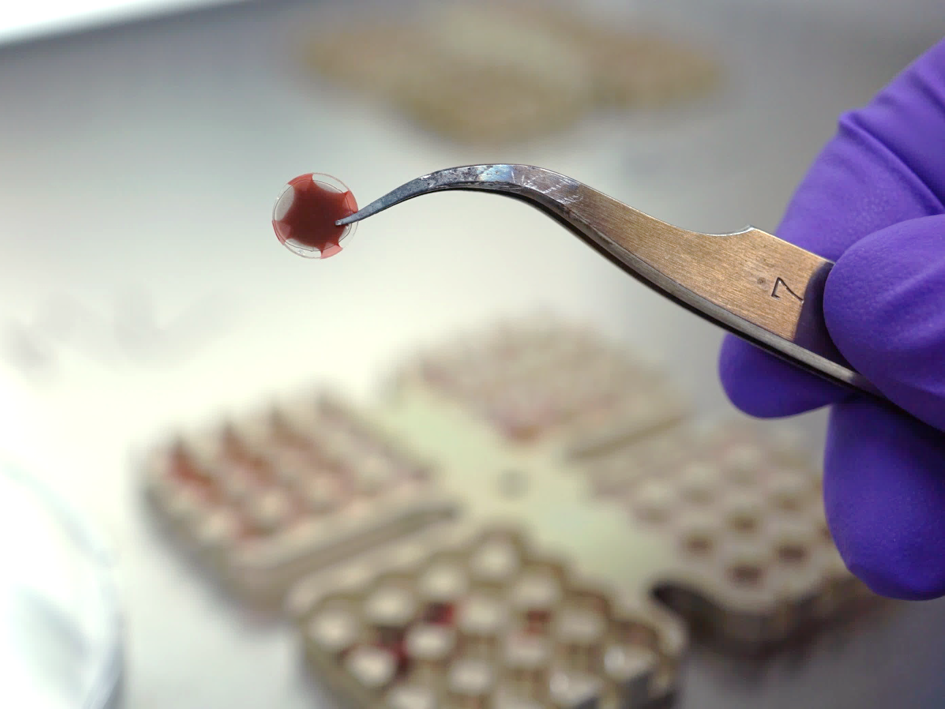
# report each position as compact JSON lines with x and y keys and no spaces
{"x":305,"y":214}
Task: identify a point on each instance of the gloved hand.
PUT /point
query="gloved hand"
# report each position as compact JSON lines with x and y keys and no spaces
{"x":874,"y":202}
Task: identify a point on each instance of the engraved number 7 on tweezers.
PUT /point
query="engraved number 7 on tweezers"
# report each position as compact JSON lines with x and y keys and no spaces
{"x":753,"y":284}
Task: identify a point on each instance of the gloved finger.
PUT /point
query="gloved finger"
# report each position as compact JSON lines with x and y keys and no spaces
{"x":885,"y":308}
{"x":878,"y":170}
{"x":764,"y":386}
{"x":884,"y":492}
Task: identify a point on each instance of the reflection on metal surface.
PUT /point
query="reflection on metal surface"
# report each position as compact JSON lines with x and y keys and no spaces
{"x":128,"y":330}
{"x":38,"y":19}
{"x":60,"y":621}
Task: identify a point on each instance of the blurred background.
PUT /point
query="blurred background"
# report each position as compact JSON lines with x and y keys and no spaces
{"x":141,"y":288}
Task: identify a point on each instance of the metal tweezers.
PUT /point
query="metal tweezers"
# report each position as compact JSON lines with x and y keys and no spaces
{"x":753,"y":284}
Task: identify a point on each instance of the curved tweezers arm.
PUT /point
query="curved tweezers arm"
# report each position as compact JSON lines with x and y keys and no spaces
{"x":759,"y":287}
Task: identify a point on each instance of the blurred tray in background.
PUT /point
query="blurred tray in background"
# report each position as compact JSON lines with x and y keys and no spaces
{"x":491,"y":73}
{"x":721,"y":522}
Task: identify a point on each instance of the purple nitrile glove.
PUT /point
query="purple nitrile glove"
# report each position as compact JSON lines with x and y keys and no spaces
{"x":873,"y":203}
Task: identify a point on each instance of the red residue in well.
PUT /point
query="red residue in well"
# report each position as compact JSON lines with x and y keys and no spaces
{"x":441,"y":614}
{"x":310,"y":220}
{"x":183,"y":470}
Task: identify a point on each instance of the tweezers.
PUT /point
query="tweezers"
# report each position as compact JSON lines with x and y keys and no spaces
{"x":753,"y":284}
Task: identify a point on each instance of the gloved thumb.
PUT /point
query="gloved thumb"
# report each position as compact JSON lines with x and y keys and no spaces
{"x":884,"y":304}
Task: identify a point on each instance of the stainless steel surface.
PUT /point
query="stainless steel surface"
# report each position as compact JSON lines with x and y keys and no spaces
{"x":141,"y":286}
{"x":761,"y":288}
